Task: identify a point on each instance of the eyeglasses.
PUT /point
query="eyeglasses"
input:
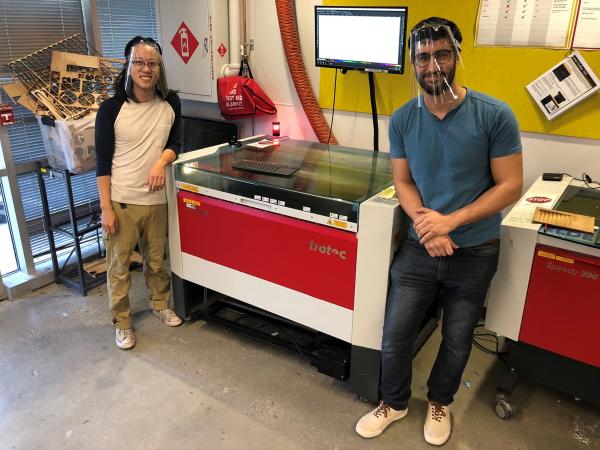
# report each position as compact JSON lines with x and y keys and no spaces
{"x":139,"y":64}
{"x":440,"y":56}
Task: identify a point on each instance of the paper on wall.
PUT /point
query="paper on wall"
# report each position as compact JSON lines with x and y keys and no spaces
{"x":564,"y":86}
{"x":525,"y":23}
{"x":587,"y":30}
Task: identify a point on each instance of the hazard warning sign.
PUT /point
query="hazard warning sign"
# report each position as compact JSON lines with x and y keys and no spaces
{"x":222,"y":49}
{"x":184,"y":42}
{"x":6,"y":115}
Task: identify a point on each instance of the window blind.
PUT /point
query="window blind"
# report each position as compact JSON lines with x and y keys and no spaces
{"x":119,"y":21}
{"x":28,"y":25}
{"x":25,"y":27}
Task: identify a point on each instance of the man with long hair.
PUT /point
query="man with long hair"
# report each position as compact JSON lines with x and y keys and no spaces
{"x":137,"y":136}
{"x":456,"y":162}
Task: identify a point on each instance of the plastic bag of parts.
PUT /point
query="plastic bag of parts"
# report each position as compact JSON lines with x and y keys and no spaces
{"x":70,"y":143}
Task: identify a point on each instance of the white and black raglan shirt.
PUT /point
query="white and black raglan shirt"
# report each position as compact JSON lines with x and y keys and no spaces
{"x":130,"y":137}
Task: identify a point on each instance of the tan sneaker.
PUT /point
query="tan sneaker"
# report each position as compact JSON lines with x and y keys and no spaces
{"x":437,"y":424}
{"x":125,"y":339}
{"x":168,"y":317}
{"x":373,"y":423}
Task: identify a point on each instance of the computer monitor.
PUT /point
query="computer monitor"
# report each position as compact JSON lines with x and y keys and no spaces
{"x":361,"y":38}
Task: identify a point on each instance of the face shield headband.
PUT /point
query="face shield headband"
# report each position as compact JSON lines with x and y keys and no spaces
{"x":435,"y":58}
{"x":136,"y":64}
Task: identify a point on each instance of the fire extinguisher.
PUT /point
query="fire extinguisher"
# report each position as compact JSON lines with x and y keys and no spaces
{"x":183,"y":36}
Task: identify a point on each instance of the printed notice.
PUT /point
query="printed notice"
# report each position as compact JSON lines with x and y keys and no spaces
{"x":522,"y":213}
{"x":525,"y":23}
{"x":563,"y":86}
{"x":587,"y":29}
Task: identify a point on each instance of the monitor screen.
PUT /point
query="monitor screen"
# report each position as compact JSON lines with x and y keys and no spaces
{"x":362,"y":38}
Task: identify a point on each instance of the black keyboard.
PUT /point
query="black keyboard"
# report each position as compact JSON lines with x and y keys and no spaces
{"x":264,"y":167}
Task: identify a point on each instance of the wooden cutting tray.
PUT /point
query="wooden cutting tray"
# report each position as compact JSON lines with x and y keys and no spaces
{"x":563,"y":219}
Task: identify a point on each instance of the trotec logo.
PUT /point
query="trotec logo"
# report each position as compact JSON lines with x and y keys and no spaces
{"x":326,"y":250}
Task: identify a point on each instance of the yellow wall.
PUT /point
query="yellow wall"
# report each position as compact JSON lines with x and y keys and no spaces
{"x":500,"y":72}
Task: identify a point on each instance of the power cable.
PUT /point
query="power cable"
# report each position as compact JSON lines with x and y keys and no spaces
{"x":478,"y":338}
{"x":333,"y":107}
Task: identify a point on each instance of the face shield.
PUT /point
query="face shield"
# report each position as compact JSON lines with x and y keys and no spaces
{"x":145,"y":68}
{"x":435,"y":61}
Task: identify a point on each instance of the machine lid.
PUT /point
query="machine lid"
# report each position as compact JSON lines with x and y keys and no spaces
{"x":327,"y":171}
{"x":580,"y":200}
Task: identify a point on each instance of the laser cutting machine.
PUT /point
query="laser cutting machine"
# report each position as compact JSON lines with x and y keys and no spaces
{"x":545,"y":297}
{"x":291,"y":242}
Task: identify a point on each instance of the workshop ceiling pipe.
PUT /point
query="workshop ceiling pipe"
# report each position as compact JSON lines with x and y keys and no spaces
{"x":234,"y":32}
{"x":286,"y":14}
{"x":234,"y":40}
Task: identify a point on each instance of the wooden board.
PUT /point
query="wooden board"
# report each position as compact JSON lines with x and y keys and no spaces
{"x":563,"y":219}
{"x":19,"y":93}
{"x":62,"y":61}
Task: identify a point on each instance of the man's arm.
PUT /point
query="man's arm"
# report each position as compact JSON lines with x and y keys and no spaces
{"x":406,"y":190}
{"x":156,"y":177}
{"x":109,"y":219}
{"x":105,"y":149}
{"x":507,"y":172}
{"x":411,"y":202}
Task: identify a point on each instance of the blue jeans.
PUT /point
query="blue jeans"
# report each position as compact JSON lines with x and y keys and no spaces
{"x":460,"y":282}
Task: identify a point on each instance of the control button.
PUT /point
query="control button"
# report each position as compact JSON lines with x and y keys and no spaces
{"x":257,"y":197}
{"x":343,"y":217}
{"x":306,"y":208}
{"x":333,"y":215}
{"x":265,"y":199}
{"x":280,"y":202}
{"x":273,"y":201}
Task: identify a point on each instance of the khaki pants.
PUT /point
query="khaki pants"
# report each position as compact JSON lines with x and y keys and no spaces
{"x":145,"y":225}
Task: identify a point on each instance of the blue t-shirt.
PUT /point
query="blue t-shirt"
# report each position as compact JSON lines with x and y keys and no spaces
{"x":449,"y":159}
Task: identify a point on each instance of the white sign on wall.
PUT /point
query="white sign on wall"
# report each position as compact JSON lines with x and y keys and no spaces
{"x":565,"y":85}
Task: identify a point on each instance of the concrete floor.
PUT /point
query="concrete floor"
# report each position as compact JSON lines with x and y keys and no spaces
{"x":64,"y":384}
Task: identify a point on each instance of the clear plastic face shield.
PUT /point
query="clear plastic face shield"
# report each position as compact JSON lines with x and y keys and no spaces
{"x":435,"y":63}
{"x":145,"y":69}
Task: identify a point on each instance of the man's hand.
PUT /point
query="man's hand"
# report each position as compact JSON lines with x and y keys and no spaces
{"x":430,"y":223}
{"x":156,"y":177}
{"x":110,"y":224}
{"x":440,"y":246}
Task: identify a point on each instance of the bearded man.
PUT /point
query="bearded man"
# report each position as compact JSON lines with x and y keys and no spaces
{"x":456,"y":161}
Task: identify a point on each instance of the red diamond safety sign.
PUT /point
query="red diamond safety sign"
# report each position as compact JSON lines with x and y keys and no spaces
{"x":222,"y":50}
{"x":184,"y":42}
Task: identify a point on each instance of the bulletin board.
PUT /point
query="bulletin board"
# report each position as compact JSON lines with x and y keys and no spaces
{"x":500,"y":72}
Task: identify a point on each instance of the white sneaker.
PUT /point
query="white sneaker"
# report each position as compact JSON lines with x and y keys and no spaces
{"x":437,"y":424}
{"x":168,"y":317}
{"x":125,"y":339}
{"x":373,"y":423}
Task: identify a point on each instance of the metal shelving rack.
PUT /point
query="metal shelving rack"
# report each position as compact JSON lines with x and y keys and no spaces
{"x":75,"y":229}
